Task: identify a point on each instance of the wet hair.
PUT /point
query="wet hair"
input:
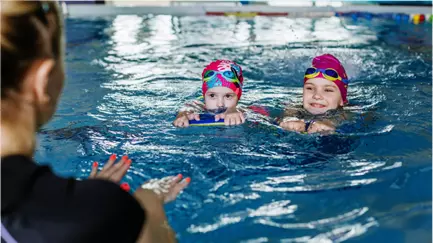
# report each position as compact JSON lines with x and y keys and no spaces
{"x":23,"y":24}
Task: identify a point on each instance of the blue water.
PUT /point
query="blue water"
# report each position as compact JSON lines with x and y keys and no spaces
{"x":127,"y":76}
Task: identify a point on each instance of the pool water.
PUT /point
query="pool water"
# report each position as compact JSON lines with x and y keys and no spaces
{"x":128,"y":75}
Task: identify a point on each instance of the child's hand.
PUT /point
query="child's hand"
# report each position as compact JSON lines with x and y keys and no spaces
{"x":183,"y":118}
{"x":231,"y":117}
{"x":297,"y":126}
{"x":322,"y":127}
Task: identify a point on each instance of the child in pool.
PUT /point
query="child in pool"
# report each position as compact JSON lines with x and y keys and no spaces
{"x":221,"y":89}
{"x":324,"y":95}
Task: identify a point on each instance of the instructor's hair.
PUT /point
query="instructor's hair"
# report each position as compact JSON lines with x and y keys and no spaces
{"x":23,"y":26}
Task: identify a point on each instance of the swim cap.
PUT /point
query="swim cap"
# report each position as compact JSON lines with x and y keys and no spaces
{"x":329,"y":61}
{"x":224,"y":73}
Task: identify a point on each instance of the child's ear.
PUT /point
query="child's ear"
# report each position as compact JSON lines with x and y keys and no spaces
{"x":341,"y":102}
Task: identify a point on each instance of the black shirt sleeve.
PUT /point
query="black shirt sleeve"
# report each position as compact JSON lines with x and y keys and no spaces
{"x":38,"y":206}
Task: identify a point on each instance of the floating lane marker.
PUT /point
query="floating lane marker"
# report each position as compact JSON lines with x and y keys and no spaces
{"x":248,"y":14}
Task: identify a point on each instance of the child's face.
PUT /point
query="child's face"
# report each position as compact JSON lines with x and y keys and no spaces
{"x":220,"y":97}
{"x":321,"y":95}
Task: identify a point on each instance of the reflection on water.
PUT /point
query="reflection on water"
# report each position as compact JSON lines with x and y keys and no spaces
{"x":128,"y":75}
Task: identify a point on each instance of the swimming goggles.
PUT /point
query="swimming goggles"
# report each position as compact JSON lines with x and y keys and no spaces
{"x":230,"y":75}
{"x":329,"y":73}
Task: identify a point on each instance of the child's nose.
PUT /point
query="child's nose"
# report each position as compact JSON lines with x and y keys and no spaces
{"x":317,"y":96}
{"x":220,"y":102}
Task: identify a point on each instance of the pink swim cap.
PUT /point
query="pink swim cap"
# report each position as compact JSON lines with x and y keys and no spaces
{"x":224,"y":73}
{"x":329,"y":61}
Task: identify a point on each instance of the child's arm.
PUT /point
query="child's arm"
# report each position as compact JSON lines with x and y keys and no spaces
{"x":189,"y":112}
{"x":326,"y":125}
{"x":294,"y":125}
{"x":323,"y":126}
{"x":290,"y":120}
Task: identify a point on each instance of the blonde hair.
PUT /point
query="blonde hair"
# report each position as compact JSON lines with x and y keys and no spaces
{"x":23,"y":24}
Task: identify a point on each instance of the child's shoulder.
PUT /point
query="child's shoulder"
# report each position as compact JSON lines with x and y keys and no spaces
{"x":196,"y":105}
{"x":297,"y":111}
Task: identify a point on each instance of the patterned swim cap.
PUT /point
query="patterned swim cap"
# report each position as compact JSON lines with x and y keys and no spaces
{"x":224,"y":73}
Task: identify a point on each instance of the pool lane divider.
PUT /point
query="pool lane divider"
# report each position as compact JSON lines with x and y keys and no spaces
{"x":413,"y":13}
{"x":248,"y":14}
{"x":399,"y":17}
